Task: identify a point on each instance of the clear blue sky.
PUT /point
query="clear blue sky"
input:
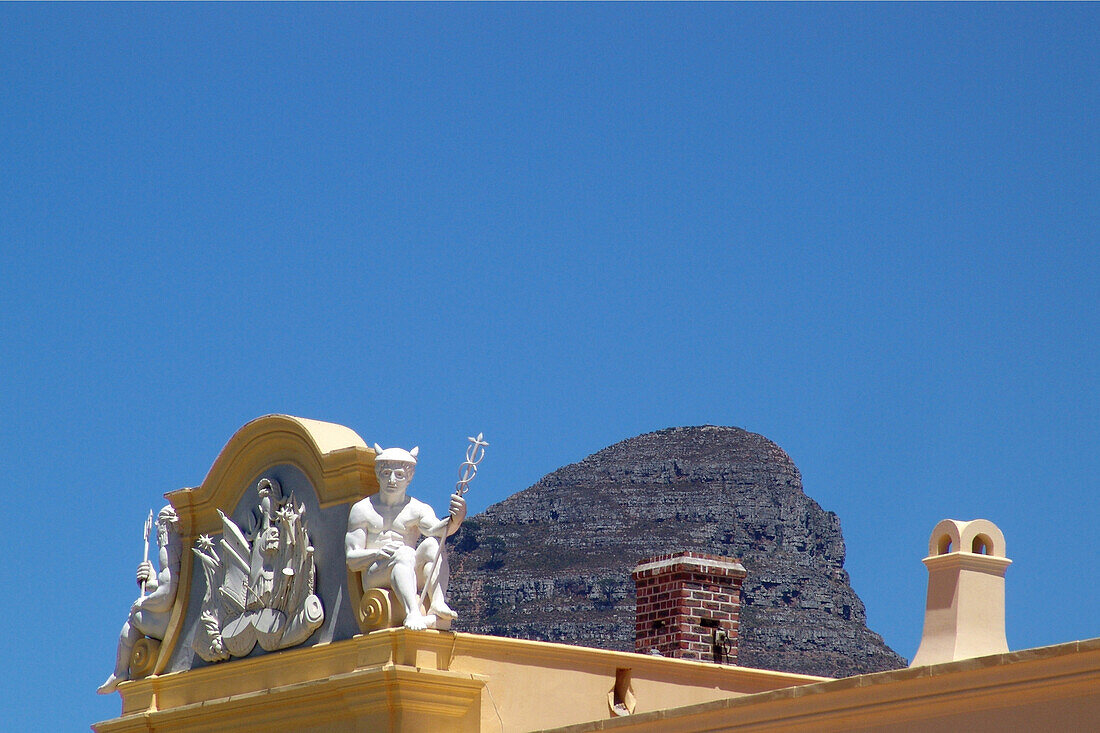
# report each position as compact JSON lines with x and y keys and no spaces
{"x":868,"y":232}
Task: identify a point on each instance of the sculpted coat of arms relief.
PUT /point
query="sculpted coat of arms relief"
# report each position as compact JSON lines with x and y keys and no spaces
{"x":260,"y":582}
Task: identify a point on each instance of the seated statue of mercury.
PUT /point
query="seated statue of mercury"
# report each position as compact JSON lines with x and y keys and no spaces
{"x":383,"y":530}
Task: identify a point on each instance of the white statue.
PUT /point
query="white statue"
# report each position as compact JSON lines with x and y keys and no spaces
{"x":381,"y":542}
{"x":259,"y":587}
{"x":149,"y":614}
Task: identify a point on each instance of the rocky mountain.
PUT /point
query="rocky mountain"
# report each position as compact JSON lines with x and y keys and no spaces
{"x":553,"y":562}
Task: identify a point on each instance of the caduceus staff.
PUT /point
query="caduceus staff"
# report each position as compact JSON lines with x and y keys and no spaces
{"x":475,"y":452}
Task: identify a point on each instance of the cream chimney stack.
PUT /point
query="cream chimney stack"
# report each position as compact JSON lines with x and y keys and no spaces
{"x":964,"y":615}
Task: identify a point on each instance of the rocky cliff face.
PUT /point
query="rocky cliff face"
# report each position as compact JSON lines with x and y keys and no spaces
{"x":553,"y":562}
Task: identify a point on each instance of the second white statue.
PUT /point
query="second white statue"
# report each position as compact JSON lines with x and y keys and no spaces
{"x":382,"y":541}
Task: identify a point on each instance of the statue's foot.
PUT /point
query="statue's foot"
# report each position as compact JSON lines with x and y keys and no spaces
{"x":109,"y":686}
{"x":442,"y":610}
{"x":416,"y":622}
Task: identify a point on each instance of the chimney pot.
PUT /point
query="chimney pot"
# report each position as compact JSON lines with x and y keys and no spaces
{"x":964,"y":614}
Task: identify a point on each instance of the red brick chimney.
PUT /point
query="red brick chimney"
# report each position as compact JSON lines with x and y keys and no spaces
{"x":689,"y":604}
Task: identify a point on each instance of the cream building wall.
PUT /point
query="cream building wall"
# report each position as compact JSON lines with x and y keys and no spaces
{"x":1054,"y":688}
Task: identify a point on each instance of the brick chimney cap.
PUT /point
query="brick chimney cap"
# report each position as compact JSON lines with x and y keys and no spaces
{"x":697,"y":561}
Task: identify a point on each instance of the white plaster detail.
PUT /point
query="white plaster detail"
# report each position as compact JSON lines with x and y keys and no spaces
{"x":383,"y":546}
{"x":259,"y":584}
{"x":147,"y":624}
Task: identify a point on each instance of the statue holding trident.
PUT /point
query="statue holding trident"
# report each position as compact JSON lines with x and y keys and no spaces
{"x":150,"y":612}
{"x":383,"y":530}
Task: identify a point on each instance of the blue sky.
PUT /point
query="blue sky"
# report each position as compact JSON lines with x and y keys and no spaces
{"x":868,"y":232}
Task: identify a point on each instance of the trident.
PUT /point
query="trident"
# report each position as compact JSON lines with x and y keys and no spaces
{"x":148,"y":529}
{"x":475,"y":452}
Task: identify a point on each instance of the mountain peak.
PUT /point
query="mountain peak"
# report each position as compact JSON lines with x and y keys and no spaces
{"x":553,"y":562}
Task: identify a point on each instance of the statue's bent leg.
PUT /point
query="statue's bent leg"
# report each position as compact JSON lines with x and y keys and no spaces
{"x":126,"y":640}
{"x":403,"y":582}
{"x":428,"y":555}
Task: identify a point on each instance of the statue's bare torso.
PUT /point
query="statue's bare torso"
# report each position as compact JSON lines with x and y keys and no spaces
{"x":384,"y":526}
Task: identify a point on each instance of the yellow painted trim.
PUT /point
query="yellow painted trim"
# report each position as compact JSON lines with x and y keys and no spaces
{"x":333,"y":457}
{"x":337,"y":702}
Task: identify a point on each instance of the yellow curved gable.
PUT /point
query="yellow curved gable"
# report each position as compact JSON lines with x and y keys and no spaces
{"x":336,"y":460}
